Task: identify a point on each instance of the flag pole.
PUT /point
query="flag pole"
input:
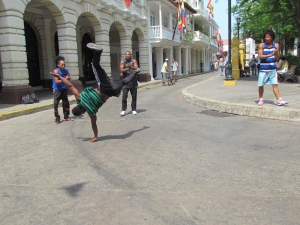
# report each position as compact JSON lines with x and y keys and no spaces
{"x":174,"y":31}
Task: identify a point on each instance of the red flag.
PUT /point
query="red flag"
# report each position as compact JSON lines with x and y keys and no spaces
{"x":128,"y":2}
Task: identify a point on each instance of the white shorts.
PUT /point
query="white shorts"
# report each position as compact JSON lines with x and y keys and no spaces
{"x":269,"y":77}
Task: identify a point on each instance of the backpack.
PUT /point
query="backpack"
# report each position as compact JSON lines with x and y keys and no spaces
{"x":29,"y":98}
{"x":34,"y":98}
{"x":26,"y":99}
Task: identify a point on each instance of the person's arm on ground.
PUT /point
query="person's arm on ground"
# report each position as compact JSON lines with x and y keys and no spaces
{"x":95,"y":128}
{"x":68,"y":84}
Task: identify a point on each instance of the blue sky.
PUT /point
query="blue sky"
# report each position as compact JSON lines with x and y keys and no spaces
{"x":221,"y":16}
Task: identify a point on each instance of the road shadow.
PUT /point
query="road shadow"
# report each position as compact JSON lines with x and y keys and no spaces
{"x":73,"y":190}
{"x":109,"y":137}
{"x":269,"y":102}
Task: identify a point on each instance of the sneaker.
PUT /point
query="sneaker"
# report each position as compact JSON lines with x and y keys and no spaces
{"x":260,"y":102}
{"x":122,"y":113}
{"x":281,"y":102}
{"x":68,"y":119}
{"x":94,"y":47}
{"x":134,"y":112}
{"x":57,"y":121}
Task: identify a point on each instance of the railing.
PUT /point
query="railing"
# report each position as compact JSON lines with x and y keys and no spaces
{"x":138,"y":9}
{"x":199,"y":36}
{"x":204,"y":13}
{"x":118,"y":3}
{"x":166,"y":33}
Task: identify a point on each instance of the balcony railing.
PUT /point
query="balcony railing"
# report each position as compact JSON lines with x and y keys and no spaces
{"x":118,"y":3}
{"x":199,"y":36}
{"x":166,"y":33}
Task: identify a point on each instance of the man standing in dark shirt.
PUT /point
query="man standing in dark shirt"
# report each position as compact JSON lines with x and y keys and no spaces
{"x":127,"y":65}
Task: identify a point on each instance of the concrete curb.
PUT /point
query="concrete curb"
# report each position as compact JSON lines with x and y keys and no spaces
{"x":72,"y":100}
{"x":34,"y":109}
{"x":277,"y":113}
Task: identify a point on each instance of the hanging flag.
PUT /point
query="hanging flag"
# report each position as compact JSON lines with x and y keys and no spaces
{"x":181,"y":21}
{"x":210,"y":6}
{"x":128,"y":2}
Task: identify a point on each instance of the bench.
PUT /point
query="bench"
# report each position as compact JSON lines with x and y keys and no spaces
{"x":289,"y":76}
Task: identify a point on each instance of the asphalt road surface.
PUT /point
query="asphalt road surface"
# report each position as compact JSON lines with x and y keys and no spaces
{"x":173,"y":163}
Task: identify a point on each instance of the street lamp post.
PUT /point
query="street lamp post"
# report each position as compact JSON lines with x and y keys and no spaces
{"x":238,"y":21}
{"x":229,"y":72}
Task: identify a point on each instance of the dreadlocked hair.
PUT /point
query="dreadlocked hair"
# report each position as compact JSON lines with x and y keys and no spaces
{"x":58,"y":59}
{"x":271,"y":33}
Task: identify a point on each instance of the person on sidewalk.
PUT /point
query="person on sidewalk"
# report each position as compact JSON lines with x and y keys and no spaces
{"x":60,"y":91}
{"x":91,"y":99}
{"x":268,"y":53}
{"x":175,"y":68}
{"x":226,"y":64}
{"x":281,"y":68}
{"x":164,"y":72}
{"x":127,"y":65}
{"x":221,"y":66}
{"x":253,"y":65}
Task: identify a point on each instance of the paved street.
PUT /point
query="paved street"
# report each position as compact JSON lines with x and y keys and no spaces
{"x":173,"y":163}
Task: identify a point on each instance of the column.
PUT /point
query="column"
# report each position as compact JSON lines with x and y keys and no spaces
{"x":189,"y":60}
{"x":126,"y":44}
{"x":185,"y":61}
{"x":197,"y":62}
{"x":102,"y":38}
{"x":160,"y":20}
{"x":178,"y":59}
{"x":159,"y":62}
{"x":67,"y":40}
{"x":145,"y":63}
{"x":78,"y":37}
{"x":13,"y":56}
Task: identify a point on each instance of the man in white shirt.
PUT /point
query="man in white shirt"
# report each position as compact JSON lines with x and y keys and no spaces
{"x":164,"y":72}
{"x":175,"y":68}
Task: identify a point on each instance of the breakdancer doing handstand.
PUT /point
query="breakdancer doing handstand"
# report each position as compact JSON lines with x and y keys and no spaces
{"x":91,"y":99}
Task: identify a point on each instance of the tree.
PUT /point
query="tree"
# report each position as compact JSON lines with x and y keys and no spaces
{"x":259,"y":15}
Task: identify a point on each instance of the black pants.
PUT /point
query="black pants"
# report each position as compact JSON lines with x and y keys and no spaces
{"x":61,"y":95}
{"x":104,"y":83}
{"x":133,"y":92}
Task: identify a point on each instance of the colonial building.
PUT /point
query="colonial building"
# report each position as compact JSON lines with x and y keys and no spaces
{"x":34,"y":32}
{"x":197,"y":44}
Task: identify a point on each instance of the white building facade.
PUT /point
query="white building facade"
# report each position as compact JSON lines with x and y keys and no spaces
{"x":34,"y":32}
{"x":167,"y":42}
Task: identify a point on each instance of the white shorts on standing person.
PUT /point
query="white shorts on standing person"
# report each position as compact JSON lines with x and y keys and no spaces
{"x":175,"y":68}
{"x":268,"y":52}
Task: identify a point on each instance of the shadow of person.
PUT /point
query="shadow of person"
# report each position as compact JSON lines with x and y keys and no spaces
{"x":123,"y":136}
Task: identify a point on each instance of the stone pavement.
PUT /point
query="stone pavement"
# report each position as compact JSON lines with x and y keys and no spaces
{"x":208,"y":93}
{"x":242,"y":98}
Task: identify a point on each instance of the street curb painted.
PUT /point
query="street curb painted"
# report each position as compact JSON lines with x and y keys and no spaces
{"x":277,"y":113}
{"x":34,"y":109}
{"x":72,"y":100}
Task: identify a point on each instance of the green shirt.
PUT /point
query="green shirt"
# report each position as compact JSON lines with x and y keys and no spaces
{"x":90,"y":100}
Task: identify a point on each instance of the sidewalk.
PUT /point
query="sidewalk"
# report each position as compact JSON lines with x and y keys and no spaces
{"x":8,"y":111}
{"x":242,"y":98}
{"x":210,"y":93}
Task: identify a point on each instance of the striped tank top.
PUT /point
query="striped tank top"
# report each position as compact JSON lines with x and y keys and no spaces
{"x":90,"y":100}
{"x":268,"y":64}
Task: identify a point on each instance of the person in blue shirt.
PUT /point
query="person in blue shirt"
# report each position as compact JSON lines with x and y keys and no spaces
{"x":60,"y":91}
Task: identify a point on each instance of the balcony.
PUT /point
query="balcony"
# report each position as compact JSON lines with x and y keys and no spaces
{"x":167,"y":34}
{"x":201,"y":37}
